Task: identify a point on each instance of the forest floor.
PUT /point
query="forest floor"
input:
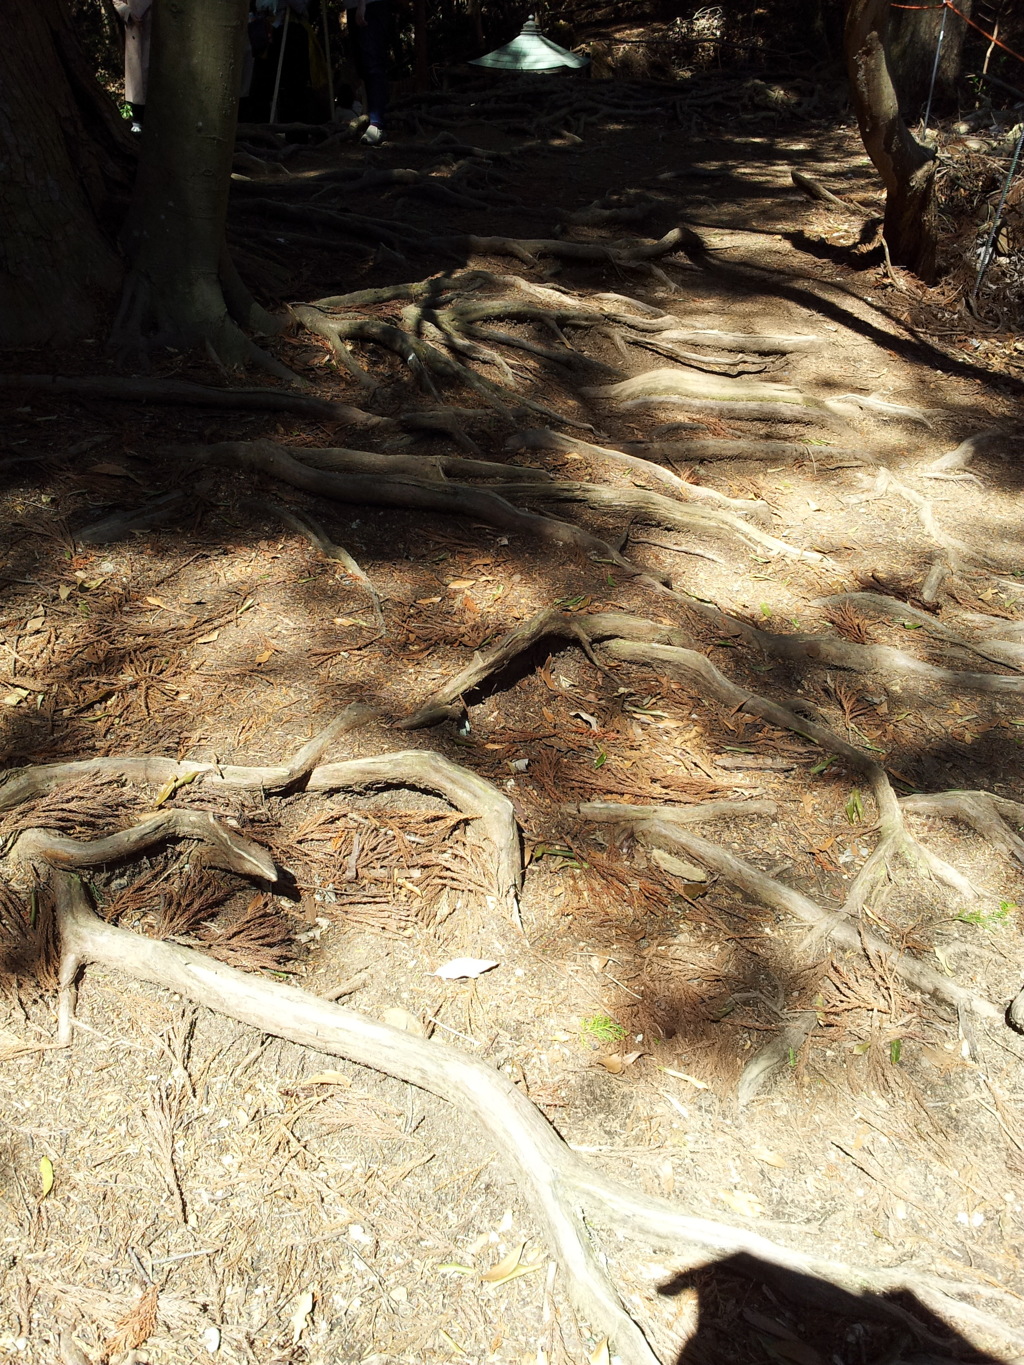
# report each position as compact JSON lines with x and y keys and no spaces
{"x":674,"y":1011}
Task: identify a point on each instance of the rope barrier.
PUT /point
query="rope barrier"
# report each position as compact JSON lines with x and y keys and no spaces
{"x":948,"y":5}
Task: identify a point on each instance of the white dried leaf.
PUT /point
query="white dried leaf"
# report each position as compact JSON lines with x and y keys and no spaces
{"x":462,"y":968}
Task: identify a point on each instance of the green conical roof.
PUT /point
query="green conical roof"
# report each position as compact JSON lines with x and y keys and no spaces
{"x":531,"y":51}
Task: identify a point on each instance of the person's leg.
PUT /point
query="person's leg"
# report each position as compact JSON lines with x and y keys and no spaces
{"x":373,"y":45}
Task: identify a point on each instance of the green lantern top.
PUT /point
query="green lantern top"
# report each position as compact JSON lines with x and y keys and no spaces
{"x":531,"y":51}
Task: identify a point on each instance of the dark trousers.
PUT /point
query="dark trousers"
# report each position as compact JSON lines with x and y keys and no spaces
{"x":371,"y":45}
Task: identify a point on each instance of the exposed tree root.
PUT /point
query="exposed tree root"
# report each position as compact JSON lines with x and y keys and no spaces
{"x":18,"y":785}
{"x":310,"y":528}
{"x":659,"y":833}
{"x":661,"y":511}
{"x":634,"y":253}
{"x":542,"y":438}
{"x":559,"y":1186}
{"x":1001,"y":652}
{"x":119,"y":525}
{"x":673,"y":328}
{"x":987,"y":815}
{"x":180,"y":391}
{"x":955,"y":548}
{"x":493,"y":826}
{"x":423,"y":359}
{"x":223,"y":847}
{"x":771,"y":452}
{"x":831,"y":651}
{"x":404,"y":491}
{"x":585,"y":629}
{"x":783,"y":400}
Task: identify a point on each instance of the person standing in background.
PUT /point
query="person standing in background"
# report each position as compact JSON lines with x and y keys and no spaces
{"x":368,"y":23}
{"x":137,"y":20}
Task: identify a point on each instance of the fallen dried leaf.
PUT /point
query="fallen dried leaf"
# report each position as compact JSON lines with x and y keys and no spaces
{"x":45,"y":1176}
{"x":407,"y":1022}
{"x":504,"y":1268}
{"x":461,"y":968}
{"x":742,"y":1202}
{"x":300,"y":1318}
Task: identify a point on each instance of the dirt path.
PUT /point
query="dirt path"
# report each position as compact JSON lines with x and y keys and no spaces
{"x":791,"y":597}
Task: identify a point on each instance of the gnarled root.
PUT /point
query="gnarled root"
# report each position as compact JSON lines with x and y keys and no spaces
{"x":559,"y":1185}
{"x":987,"y":814}
{"x":673,"y":837}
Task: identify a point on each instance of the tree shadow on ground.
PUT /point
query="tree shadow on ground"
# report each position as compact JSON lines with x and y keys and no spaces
{"x":749,"y":1310}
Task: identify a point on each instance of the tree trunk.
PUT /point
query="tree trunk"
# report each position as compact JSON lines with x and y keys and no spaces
{"x":175,"y":291}
{"x":913,"y":41}
{"x":63,"y":154}
{"x":906,"y":167}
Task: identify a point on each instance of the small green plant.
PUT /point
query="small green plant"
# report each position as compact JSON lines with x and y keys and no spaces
{"x":895,"y":1049}
{"x":765,"y":609}
{"x":987,"y":919}
{"x":601,"y":1028}
{"x":855,"y":808}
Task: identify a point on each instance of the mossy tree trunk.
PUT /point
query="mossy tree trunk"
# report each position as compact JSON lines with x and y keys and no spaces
{"x":907,"y":168}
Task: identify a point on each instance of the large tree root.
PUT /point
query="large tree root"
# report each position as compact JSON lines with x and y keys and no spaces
{"x":987,"y":814}
{"x":672,"y":838}
{"x":559,"y":1186}
{"x":180,"y":391}
{"x":996,"y":651}
{"x":484,"y":504}
{"x":783,"y":401}
{"x":831,"y":651}
{"x":492,"y":821}
{"x":423,"y":359}
{"x":661,"y":511}
{"x":223,"y":848}
{"x":542,"y":438}
{"x":584,"y":629}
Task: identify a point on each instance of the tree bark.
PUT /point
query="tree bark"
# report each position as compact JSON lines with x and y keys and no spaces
{"x":63,"y":158}
{"x":913,"y":39}
{"x":175,"y":292}
{"x":906,"y":167}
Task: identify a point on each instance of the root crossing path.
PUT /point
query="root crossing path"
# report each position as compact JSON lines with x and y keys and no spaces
{"x":625,"y":963}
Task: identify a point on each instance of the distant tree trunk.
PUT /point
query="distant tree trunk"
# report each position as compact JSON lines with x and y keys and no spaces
{"x":64,"y":154}
{"x":180,"y":279}
{"x":913,"y":40}
{"x":906,"y":167}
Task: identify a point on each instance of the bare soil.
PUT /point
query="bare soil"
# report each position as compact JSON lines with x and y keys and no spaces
{"x":239,"y":1174}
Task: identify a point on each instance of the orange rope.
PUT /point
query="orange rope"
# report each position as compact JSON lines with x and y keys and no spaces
{"x":947,"y":4}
